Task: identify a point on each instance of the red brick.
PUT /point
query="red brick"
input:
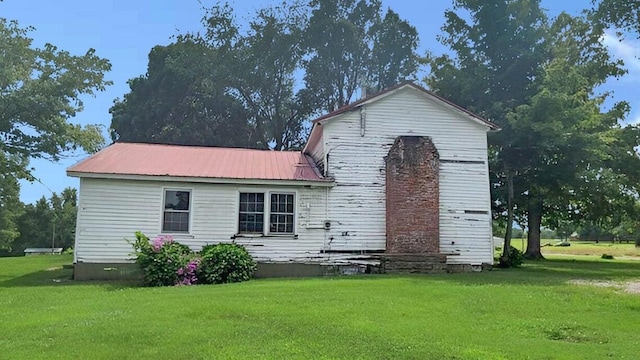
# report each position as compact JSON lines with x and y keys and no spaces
{"x":413,"y":196}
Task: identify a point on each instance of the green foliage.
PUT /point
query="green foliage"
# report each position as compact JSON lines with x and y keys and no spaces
{"x":47,"y":222}
{"x":234,"y":85}
{"x":607,"y":257}
{"x":163,"y":261}
{"x":40,"y":89}
{"x":10,"y":210}
{"x":225,"y":263}
{"x":514,"y":260}
{"x":537,"y":78}
{"x":181,"y":100}
{"x":621,"y":14}
{"x":349,"y":44}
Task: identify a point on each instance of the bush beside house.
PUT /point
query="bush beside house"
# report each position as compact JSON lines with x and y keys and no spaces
{"x":165,"y":262}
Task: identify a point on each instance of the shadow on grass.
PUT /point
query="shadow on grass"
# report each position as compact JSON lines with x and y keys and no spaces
{"x":60,"y":276}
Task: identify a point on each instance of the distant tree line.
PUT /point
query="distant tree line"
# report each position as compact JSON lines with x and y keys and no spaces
{"x":45,"y":224}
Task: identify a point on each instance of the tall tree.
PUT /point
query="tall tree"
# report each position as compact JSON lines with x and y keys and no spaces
{"x":393,"y":52}
{"x":350,"y":45}
{"x":270,"y":53}
{"x":182,"y":99}
{"x":498,"y":55}
{"x":40,"y":90}
{"x":10,"y":209}
{"x":555,"y":140}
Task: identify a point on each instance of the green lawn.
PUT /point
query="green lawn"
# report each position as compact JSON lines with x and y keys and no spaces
{"x":532,"y":312}
{"x":591,"y":248}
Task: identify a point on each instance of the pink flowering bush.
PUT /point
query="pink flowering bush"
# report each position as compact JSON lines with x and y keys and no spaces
{"x":165,"y":262}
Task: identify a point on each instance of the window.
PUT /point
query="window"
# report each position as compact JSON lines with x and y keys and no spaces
{"x":251,"y":213}
{"x":281,"y":217}
{"x":177,"y":204}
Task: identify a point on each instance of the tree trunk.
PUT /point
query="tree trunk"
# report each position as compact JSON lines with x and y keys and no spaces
{"x":506,"y":249}
{"x":534,"y":221}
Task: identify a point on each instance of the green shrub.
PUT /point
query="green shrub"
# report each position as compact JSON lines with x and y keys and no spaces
{"x":165,"y":262}
{"x":514,"y":260}
{"x":225,"y":263}
{"x":607,"y":257}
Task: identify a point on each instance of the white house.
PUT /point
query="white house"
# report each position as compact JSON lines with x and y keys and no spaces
{"x":400,"y":172}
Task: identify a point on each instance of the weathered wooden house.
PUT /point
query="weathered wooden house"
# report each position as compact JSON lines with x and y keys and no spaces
{"x":401,"y":174}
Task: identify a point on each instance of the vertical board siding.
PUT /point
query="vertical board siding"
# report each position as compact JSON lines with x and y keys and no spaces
{"x":111,"y":211}
{"x":357,"y":202}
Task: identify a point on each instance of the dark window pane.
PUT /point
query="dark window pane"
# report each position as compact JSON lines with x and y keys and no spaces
{"x":177,"y":200}
{"x":289,"y":228}
{"x":260,"y":197}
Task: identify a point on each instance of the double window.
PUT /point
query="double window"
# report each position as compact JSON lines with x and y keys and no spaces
{"x":177,"y":205}
{"x":280,"y":212}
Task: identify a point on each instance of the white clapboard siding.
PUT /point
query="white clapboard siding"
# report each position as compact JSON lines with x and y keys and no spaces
{"x":111,"y":211}
{"x":357,"y":202}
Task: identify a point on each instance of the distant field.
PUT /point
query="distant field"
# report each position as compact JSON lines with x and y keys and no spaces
{"x":558,"y":309}
{"x":584,"y":248}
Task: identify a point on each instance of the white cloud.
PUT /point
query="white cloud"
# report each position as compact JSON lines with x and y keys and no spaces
{"x":625,"y":50}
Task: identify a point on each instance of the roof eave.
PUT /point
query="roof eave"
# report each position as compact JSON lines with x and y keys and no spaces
{"x":168,"y":178}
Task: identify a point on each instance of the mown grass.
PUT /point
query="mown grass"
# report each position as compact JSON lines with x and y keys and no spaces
{"x":587,"y":248}
{"x":532,"y":312}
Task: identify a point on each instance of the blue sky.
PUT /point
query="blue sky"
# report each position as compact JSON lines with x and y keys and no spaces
{"x":124,"y":31}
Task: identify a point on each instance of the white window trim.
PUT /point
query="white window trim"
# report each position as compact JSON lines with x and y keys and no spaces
{"x":162,"y":210}
{"x":267,"y":212}
{"x":267,"y":220}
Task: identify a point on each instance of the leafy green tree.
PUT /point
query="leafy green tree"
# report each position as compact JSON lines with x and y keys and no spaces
{"x":35,"y":227}
{"x":621,"y":14}
{"x":271,"y":53}
{"x":498,"y":54}
{"x":10,"y":210}
{"x":350,"y":45}
{"x":48,"y":222}
{"x":40,"y":90}
{"x":182,"y":99}
{"x":393,"y":53}
{"x":536,"y":79}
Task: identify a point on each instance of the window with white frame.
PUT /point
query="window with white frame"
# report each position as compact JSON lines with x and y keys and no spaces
{"x":281,"y":215}
{"x":177,"y":205}
{"x":253,"y":213}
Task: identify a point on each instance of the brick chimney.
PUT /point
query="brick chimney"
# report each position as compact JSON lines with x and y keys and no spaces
{"x":413,"y":196}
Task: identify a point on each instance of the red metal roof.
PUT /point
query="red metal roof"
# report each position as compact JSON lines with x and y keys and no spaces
{"x":197,"y":161}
